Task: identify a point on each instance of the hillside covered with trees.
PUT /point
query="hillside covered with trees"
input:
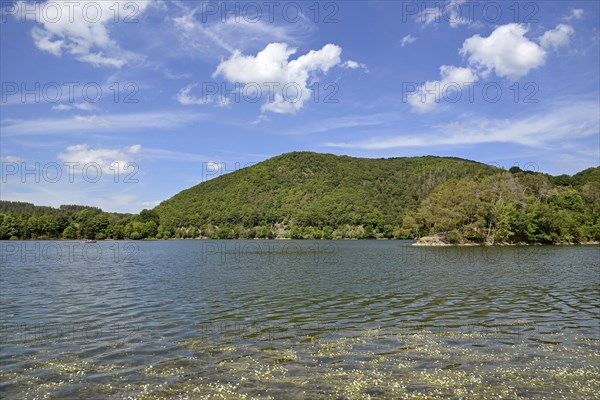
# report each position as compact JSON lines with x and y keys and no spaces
{"x":322,"y":196}
{"x":310,"y":195}
{"x":510,"y":207}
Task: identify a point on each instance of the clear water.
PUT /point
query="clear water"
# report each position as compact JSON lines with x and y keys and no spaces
{"x":297,"y":319}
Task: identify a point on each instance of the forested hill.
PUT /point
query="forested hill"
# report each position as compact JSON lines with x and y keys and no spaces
{"x":306,"y":195}
{"x":511,"y":207}
{"x":313,"y":196}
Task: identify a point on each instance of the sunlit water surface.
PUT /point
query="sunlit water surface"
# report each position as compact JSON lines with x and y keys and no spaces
{"x":297,"y":319}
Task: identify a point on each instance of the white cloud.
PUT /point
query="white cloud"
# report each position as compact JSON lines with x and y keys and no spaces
{"x":452,"y":12}
{"x":92,"y":120}
{"x":196,"y":36}
{"x":213,"y":167}
{"x":506,"y":51}
{"x":11,"y":159}
{"x":110,"y":122}
{"x":260,"y":119}
{"x":408,"y":39}
{"x":202,"y":37}
{"x":453,"y":80}
{"x":171,"y":75}
{"x":350,"y":64}
{"x":345,"y":122}
{"x":43,"y":41}
{"x":576,"y":13}
{"x":76,"y":106}
{"x":105,"y":159}
{"x":186,"y":99}
{"x":162,"y":154}
{"x":80,"y":28}
{"x":555,"y":126}
{"x":429,"y":15}
{"x":271,"y":68}
{"x":557,"y":37}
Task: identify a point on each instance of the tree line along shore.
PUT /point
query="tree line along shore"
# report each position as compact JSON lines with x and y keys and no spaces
{"x":435,"y":200}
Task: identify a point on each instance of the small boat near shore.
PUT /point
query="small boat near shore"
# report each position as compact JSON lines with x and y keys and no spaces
{"x":89,"y":241}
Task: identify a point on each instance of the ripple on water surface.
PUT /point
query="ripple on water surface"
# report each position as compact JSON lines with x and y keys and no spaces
{"x":310,"y":320}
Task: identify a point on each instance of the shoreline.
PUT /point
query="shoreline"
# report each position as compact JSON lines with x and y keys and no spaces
{"x":425,"y":241}
{"x":438,"y":241}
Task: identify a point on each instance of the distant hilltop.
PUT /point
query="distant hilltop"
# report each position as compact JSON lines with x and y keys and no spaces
{"x":304,"y":195}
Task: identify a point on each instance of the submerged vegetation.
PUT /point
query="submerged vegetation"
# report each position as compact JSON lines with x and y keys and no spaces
{"x":374,"y":364}
{"x":323,"y":196}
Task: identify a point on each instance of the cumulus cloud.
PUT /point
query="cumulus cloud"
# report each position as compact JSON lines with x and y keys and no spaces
{"x":576,"y":13}
{"x":408,"y":39}
{"x":350,"y":64}
{"x":102,"y":158}
{"x":557,"y":37}
{"x":506,"y":51}
{"x":453,"y":80}
{"x":271,"y":68}
{"x":79,"y":28}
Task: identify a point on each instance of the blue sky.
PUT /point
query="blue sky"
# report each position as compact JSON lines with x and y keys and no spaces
{"x":123,"y":104}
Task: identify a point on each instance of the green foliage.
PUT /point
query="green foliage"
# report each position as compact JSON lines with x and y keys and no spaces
{"x":510,"y":208}
{"x":454,"y":237}
{"x":26,"y":221}
{"x":308,"y":192}
{"x":322,"y":196}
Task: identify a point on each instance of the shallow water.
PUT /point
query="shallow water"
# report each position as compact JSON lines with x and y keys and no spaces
{"x":297,"y":319}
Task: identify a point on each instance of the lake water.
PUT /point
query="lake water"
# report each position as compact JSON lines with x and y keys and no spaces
{"x":297,"y":319}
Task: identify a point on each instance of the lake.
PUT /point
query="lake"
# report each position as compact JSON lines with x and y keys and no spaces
{"x":297,"y":320}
